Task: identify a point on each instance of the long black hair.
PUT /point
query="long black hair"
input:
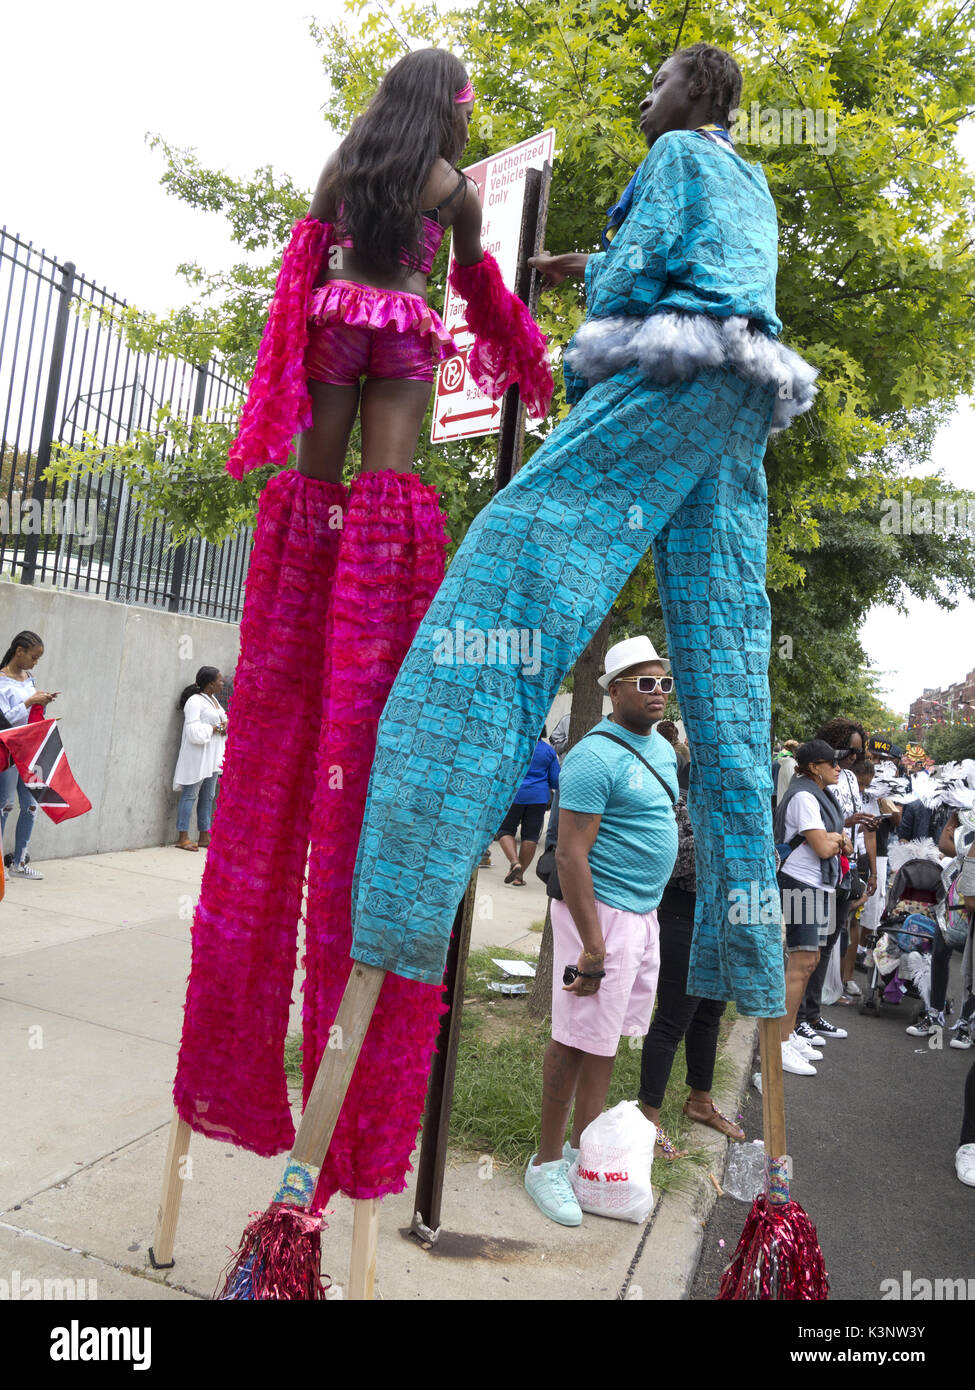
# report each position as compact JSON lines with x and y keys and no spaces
{"x":204,"y":676}
{"x":383,"y":163}
{"x":838,"y":732}
{"x":23,"y":639}
{"x":713,"y":71}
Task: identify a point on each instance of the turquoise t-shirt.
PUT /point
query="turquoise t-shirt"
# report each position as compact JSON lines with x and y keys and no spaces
{"x":636,"y":845}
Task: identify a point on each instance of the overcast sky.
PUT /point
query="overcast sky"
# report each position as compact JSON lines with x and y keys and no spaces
{"x":243,"y":84}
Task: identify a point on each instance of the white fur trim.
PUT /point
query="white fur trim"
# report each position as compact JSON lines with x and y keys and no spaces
{"x":903,"y":852}
{"x":675,"y":347}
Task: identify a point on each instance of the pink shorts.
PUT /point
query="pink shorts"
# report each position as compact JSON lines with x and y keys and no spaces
{"x":359,"y":331}
{"x":622,"y":1005}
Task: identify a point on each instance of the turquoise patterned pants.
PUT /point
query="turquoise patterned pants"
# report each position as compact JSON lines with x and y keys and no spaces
{"x":633,"y":465}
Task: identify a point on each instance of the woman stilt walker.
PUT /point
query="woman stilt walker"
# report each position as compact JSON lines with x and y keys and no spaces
{"x":339,"y":581}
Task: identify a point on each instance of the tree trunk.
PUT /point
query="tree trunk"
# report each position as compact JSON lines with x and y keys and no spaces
{"x":587,"y":710}
{"x":587,"y":695}
{"x":540,"y":999}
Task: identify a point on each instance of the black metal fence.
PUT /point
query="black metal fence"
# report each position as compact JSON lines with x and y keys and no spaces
{"x":66,"y":372}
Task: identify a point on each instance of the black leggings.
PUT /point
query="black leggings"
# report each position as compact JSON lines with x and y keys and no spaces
{"x":940,"y":961}
{"x":678,"y":1015}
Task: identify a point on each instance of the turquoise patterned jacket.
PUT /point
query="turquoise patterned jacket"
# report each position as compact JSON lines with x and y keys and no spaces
{"x":701,"y":237}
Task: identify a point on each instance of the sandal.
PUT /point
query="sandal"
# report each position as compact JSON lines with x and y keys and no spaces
{"x":717,"y":1121}
{"x":515,"y":876}
{"x":186,"y":844}
{"x":666,"y":1148}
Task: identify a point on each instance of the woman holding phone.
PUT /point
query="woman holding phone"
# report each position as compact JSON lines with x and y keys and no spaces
{"x":20,"y":703}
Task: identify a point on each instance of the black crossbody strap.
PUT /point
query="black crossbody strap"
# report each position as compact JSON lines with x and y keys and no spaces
{"x":603,"y":733}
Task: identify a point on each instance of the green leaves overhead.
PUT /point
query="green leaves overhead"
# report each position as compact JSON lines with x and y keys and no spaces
{"x":850,"y":108}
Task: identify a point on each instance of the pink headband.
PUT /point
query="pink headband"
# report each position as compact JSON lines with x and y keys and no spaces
{"x":465,"y":94}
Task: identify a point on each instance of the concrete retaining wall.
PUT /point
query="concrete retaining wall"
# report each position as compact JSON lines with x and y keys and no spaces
{"x":119,"y":671}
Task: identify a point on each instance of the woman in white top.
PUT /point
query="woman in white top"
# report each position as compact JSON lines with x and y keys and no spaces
{"x":812,"y":826}
{"x":200,"y":755}
{"x":18,"y":694}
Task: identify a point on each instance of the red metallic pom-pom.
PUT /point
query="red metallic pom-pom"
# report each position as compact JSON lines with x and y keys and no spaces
{"x":279,"y":1258}
{"x":778,"y":1257}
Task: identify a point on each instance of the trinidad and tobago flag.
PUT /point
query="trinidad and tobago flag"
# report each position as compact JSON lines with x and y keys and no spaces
{"x":37,"y":750}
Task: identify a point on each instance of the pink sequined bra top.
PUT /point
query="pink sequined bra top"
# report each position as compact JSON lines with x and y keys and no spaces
{"x":433,"y":232}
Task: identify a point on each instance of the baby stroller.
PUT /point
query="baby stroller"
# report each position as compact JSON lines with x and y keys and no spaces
{"x":899,"y":950}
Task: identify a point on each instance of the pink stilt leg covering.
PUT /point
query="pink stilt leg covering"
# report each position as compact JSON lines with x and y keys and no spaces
{"x":230,"y":1081}
{"x":390,"y":565}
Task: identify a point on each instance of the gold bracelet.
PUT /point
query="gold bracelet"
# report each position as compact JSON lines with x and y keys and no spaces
{"x":595,"y":955}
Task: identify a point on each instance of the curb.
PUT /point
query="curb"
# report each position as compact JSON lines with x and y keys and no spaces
{"x":668,"y":1262}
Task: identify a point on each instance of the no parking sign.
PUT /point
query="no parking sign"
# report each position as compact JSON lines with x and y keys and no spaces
{"x":460,"y":408}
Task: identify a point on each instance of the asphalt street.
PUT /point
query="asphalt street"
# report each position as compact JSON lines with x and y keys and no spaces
{"x":872,"y":1138}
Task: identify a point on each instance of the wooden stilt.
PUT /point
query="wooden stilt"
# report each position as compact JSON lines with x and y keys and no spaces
{"x":335,"y":1070}
{"x":161,"y":1249}
{"x":362,"y":1264}
{"x":773,"y":1089}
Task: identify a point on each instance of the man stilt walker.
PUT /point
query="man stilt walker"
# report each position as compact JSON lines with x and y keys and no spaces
{"x":677,"y":378}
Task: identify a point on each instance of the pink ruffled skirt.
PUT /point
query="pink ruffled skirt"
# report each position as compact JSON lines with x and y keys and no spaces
{"x":359,"y":331}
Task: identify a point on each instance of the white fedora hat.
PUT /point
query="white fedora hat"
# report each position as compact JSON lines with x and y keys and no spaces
{"x":634,"y":651}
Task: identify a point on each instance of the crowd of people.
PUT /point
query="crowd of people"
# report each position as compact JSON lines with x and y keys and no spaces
{"x":203,"y":706}
{"x":843,"y":826}
{"x":623,"y":893}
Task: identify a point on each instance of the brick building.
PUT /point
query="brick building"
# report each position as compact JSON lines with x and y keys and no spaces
{"x":953,"y":702}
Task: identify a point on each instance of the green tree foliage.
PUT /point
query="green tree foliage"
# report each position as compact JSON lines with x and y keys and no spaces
{"x":945,"y":742}
{"x":177,"y":474}
{"x":852,"y":110}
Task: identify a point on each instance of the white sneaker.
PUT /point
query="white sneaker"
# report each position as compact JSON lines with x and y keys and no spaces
{"x":808,"y":1035}
{"x":804,"y":1050}
{"x":965,"y":1164}
{"x":23,"y":871}
{"x":794,"y":1062}
{"x":852,"y":990}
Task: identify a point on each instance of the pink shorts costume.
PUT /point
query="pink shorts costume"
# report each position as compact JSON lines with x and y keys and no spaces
{"x":360,"y":331}
{"x":343,"y":575}
{"x":622,"y":1005}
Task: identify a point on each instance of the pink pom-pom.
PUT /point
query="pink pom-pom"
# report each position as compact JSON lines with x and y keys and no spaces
{"x":509,"y":348}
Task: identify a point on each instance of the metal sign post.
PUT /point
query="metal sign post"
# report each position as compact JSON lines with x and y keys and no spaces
{"x":436,"y":1121}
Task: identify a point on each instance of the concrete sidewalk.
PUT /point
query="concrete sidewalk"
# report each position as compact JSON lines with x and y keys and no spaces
{"x":93,"y":967}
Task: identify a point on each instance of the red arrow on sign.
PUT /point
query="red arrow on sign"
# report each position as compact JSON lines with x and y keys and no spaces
{"x":470,"y":415}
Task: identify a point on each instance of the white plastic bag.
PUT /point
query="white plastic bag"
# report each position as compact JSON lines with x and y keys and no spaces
{"x":611,"y":1176}
{"x":833,"y":983}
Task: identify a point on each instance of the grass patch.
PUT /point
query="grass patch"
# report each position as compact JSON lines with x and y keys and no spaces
{"x":498,"y":1089}
{"x":292,"y":1059}
{"x":481,"y":971}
